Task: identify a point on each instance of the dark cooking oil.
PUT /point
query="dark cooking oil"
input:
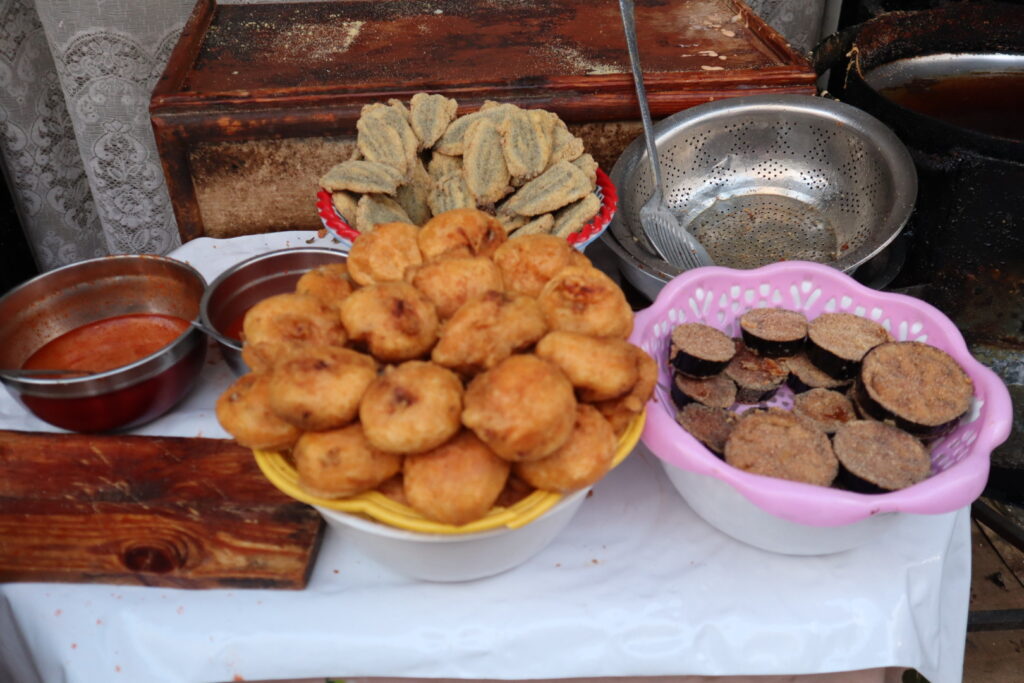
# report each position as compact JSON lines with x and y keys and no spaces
{"x":988,"y":103}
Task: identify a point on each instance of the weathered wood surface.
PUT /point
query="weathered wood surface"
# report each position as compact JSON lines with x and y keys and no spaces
{"x":257,"y":72}
{"x":154,"y":511}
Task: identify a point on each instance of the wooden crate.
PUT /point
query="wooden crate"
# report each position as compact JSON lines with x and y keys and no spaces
{"x":257,"y":101}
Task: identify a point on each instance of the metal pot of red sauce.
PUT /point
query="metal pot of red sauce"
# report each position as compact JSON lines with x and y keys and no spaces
{"x":126,"y":326}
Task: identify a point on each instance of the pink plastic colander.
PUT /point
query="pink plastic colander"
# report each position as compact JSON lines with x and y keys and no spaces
{"x":719,"y":296}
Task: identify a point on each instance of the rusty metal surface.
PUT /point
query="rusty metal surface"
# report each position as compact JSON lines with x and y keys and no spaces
{"x":408,"y":43}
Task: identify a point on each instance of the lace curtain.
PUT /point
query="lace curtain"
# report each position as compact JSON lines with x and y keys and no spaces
{"x":75,"y":138}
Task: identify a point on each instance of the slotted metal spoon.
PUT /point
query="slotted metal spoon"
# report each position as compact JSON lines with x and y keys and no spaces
{"x":672,"y":241}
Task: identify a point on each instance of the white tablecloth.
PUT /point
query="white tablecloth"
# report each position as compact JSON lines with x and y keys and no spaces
{"x":637,"y":585}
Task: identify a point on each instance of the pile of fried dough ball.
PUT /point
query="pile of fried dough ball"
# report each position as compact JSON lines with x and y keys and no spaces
{"x":445,"y":366}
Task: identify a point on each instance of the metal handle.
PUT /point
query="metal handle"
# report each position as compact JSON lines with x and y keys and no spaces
{"x":629,"y":24}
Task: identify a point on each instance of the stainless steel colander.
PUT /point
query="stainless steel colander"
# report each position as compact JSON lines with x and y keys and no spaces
{"x":770,"y":178}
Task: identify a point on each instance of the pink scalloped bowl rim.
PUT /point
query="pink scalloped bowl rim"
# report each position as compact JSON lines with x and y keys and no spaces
{"x":718,"y":296}
{"x":337,"y":226}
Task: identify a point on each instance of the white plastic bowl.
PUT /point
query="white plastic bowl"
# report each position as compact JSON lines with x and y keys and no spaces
{"x":453,"y":557}
{"x":729,"y":511}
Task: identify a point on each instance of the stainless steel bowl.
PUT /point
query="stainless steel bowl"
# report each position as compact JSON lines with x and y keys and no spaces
{"x":67,"y":298}
{"x":241,"y":286}
{"x":767,"y":178}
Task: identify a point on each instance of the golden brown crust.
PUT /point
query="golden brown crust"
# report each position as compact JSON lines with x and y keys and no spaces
{"x":243,"y":410}
{"x":620,"y":412}
{"x":341,"y":462}
{"x":523,"y":408}
{"x":585,"y":300}
{"x":451,"y":282}
{"x":580,"y":462}
{"x":600,"y":369}
{"x":322,"y":388}
{"x":412,"y":408}
{"x":527,"y":263}
{"x":393,"y":320}
{"x":488,"y":329}
{"x":280,"y":326}
{"x":330,"y":283}
{"x":456,"y":483}
{"x":461,"y":232}
{"x":384,"y":254}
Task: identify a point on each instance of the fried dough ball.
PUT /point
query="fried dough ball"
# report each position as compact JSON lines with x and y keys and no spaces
{"x":328,"y":282}
{"x":581,"y":461}
{"x":528,"y":262}
{"x":451,"y":282}
{"x":523,"y":408}
{"x":461,"y":232}
{"x":488,"y":329}
{"x":243,"y":410}
{"x":278,"y":326}
{"x":394,"y":320}
{"x":341,"y":462}
{"x":457,"y":482}
{"x":322,"y":388}
{"x":585,"y":300}
{"x":412,"y":408}
{"x":600,"y":368}
{"x":621,"y":411}
{"x":384,"y":254}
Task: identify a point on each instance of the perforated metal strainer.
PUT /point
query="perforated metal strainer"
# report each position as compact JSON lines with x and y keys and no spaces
{"x":771,"y":178}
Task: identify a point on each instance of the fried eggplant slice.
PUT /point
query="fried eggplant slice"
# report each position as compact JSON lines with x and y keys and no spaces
{"x":449,"y":193}
{"x":430,"y":117}
{"x":526,"y":146}
{"x":375,"y":208}
{"x":556,"y":187}
{"x":564,"y":145}
{"x":346,"y":204}
{"x":483,"y":163}
{"x":572,"y":218}
{"x":441,"y":165}
{"x":362,"y":177}
{"x":412,"y":195}
{"x":384,"y":135}
{"x":541,"y":225}
{"x":587,"y":164}
{"x":453,"y":139}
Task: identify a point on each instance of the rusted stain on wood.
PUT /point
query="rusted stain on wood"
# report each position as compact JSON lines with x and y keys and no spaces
{"x":156,"y":511}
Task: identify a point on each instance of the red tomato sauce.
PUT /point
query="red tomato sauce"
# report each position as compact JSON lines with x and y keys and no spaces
{"x":109,"y":343}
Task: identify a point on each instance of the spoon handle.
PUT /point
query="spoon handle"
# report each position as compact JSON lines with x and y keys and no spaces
{"x":629,"y":25}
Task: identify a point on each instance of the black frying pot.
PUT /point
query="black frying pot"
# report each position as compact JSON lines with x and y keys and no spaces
{"x":968,"y":223}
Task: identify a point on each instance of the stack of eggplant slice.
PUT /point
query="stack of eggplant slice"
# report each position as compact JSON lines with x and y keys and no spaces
{"x":864,"y":409}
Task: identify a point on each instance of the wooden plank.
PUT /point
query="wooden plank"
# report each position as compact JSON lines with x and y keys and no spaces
{"x":157,"y":511}
{"x":378,"y":45}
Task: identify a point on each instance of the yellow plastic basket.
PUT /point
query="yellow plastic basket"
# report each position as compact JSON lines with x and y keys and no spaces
{"x":379,"y":507}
